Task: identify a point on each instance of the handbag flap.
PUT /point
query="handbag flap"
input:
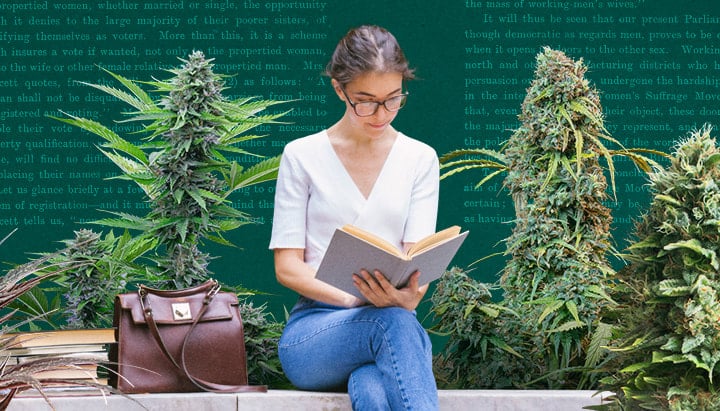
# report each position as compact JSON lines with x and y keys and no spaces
{"x":181,"y":309}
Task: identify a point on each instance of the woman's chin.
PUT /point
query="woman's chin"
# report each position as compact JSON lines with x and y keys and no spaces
{"x":378,"y":129}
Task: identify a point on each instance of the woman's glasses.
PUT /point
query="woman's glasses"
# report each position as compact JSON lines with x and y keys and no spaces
{"x":368,"y":108}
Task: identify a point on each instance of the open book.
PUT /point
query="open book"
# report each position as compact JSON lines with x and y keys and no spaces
{"x":352,"y":249}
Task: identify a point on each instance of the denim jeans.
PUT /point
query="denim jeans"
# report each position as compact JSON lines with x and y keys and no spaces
{"x":381,"y":356}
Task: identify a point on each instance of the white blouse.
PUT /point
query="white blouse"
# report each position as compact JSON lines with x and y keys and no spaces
{"x":315,"y":195}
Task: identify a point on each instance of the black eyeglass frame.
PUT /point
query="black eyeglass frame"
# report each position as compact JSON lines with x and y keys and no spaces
{"x":353,"y":104}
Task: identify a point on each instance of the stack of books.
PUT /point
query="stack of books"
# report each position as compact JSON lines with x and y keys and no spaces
{"x":88,"y":346}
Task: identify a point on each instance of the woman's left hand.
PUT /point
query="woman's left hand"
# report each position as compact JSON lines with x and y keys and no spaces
{"x":380,"y":293}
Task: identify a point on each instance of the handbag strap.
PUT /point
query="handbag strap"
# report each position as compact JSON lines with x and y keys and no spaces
{"x":200,"y":383}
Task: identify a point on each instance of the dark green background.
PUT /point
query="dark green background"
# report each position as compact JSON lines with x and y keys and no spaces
{"x":651,"y":60}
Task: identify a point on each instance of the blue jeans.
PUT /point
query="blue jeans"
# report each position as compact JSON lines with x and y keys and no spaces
{"x":381,"y":356}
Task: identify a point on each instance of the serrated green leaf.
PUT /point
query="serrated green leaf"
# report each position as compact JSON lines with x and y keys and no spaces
{"x":660,"y":357}
{"x":635,"y":367}
{"x":572,"y":308}
{"x":549,"y":309}
{"x":197,"y":196}
{"x":489,"y":311}
{"x":668,"y":199}
{"x":673,"y":288}
{"x":567,"y":326}
{"x":504,"y":346}
{"x":598,"y":343}
{"x":695,"y":246}
{"x":712,"y":160}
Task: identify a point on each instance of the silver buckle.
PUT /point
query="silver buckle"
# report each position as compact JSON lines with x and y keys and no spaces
{"x":181,"y":311}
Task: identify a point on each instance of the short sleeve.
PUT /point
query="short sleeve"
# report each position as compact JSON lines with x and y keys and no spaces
{"x":290,"y":207}
{"x":422,"y":216}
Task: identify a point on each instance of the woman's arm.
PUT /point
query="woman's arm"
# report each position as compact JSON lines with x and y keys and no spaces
{"x":292,"y":272}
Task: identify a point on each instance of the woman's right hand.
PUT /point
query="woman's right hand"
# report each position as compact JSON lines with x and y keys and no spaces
{"x":381,"y":293}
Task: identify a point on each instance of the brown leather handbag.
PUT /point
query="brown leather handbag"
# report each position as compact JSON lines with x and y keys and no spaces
{"x":179,"y":341}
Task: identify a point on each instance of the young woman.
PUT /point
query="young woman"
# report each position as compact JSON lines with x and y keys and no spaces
{"x":360,"y":171}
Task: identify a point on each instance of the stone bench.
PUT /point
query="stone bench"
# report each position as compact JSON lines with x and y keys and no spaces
{"x":450,"y":400}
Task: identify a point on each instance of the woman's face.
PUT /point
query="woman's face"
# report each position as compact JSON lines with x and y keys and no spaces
{"x":374,"y":87}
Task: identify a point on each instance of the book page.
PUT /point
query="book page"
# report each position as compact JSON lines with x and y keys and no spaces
{"x":373,"y":239}
{"x":60,"y":337}
{"x":434,"y":239}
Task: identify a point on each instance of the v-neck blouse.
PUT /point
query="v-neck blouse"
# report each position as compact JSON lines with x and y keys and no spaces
{"x":315,"y":194}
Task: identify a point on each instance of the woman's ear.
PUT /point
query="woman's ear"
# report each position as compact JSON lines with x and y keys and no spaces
{"x":338,"y":89}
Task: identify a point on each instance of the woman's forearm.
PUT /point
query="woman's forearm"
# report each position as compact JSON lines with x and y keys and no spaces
{"x":292,"y":272}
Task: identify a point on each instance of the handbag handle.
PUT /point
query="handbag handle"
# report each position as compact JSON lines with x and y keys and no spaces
{"x":202,"y":384}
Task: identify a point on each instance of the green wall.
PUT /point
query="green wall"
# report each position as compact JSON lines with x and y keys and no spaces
{"x":655,"y":62}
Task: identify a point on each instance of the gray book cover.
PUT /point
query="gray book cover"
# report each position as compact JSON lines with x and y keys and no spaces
{"x":348,"y":254}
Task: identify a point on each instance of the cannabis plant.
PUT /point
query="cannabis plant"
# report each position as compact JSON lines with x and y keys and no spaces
{"x":83,"y":296}
{"x":105,"y":268}
{"x":183,"y":168}
{"x":561,"y":240}
{"x":558,"y":268}
{"x":667,"y":338}
{"x":261,"y":338}
{"x":19,"y":377}
{"x":186,"y":170}
{"x":474,"y":325}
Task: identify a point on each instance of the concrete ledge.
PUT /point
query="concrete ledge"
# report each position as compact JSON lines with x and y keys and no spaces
{"x":450,"y":400}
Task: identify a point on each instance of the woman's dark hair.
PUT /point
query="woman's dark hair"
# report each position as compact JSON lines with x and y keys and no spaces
{"x":367,"y":49}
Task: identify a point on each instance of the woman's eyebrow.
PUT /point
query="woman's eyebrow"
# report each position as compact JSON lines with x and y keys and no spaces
{"x":366,"y":94}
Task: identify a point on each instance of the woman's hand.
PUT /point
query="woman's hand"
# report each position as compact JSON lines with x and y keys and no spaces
{"x":380,"y":293}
